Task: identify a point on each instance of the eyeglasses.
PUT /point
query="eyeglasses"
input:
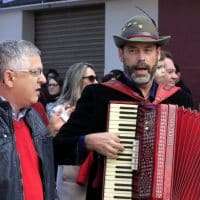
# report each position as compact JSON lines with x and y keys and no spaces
{"x":91,"y":78}
{"x":52,"y":85}
{"x":33,"y":72}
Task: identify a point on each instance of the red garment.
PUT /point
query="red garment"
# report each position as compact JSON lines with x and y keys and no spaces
{"x":29,"y":162}
{"x":85,"y":170}
{"x":163,"y":93}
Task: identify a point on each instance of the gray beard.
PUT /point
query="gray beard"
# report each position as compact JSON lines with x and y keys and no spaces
{"x":139,"y":80}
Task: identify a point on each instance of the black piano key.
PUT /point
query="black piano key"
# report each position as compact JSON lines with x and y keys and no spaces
{"x":126,"y":142}
{"x":129,"y":125}
{"x":124,"y":159}
{"x":123,"y":185}
{"x":127,"y":117}
{"x":126,"y":137}
{"x":121,"y":197}
{"x":122,"y":189}
{"x":128,"y":113}
{"x":123,"y":172}
{"x":125,"y":129}
{"x":130,"y":177}
{"x":127,"y":107}
{"x":125,"y":154}
{"x":128,"y":147}
{"x":123,"y":167}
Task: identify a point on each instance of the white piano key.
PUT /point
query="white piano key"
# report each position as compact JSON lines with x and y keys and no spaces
{"x":116,"y":193}
{"x":118,"y":132}
{"x":126,"y":112}
{"x":118,"y":162}
{"x":118,"y":172}
{"x":112,"y":198}
{"x":114,"y":104}
{"x":118,"y":166}
{"x":113,"y":178}
{"x":123,"y":184}
{"x":118,"y":189}
{"x":123,"y":118}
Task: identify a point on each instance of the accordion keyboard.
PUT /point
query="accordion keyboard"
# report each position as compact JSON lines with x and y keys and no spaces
{"x":118,"y":172}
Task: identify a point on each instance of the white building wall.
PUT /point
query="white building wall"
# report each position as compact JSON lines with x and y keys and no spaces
{"x":19,"y":24}
{"x":117,"y":13}
{"x":11,"y":25}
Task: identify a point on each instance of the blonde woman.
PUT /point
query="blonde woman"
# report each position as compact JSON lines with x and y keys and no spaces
{"x":78,"y":76}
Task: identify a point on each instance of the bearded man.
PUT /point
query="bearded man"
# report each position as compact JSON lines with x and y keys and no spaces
{"x":139,"y":49}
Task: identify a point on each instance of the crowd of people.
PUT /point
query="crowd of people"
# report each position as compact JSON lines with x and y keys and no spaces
{"x":54,"y":130}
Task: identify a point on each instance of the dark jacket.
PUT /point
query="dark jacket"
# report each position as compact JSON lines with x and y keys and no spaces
{"x":90,"y":116}
{"x":11,"y":186}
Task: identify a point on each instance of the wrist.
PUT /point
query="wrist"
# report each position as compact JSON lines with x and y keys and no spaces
{"x":87,"y":142}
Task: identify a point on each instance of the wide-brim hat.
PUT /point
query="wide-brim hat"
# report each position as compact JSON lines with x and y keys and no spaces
{"x":140,"y":29}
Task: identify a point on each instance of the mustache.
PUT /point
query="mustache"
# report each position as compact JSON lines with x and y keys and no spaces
{"x":140,"y":65}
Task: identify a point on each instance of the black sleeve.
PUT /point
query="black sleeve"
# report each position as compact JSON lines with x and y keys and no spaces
{"x":180,"y":98}
{"x":186,"y":99}
{"x":80,"y":123}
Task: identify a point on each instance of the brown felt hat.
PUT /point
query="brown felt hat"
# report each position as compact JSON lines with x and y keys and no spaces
{"x":140,"y":29}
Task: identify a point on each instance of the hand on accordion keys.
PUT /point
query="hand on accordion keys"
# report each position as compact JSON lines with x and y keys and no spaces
{"x":107,"y":144}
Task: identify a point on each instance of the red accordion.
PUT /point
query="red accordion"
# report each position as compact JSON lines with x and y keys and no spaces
{"x":161,"y":160}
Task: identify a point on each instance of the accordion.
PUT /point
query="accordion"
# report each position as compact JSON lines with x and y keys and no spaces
{"x":161,"y":160}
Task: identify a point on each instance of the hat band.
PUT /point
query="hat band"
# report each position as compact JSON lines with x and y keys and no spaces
{"x":144,"y":36}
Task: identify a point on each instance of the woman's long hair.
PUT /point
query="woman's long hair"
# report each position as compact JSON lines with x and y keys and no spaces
{"x":73,"y":83}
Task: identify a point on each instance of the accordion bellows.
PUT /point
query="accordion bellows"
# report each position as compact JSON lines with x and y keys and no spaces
{"x":167,"y":166}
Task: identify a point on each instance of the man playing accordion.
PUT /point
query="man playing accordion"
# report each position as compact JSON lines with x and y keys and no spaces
{"x":139,"y":46}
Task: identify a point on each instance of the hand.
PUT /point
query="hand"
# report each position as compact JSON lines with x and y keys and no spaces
{"x":69,"y":108}
{"x":55,"y":123}
{"x":107,"y":144}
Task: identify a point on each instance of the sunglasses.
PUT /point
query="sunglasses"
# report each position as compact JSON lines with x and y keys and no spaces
{"x":91,"y":78}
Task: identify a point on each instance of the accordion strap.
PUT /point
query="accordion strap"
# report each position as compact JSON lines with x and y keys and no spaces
{"x":163,"y":93}
{"x":117,"y":85}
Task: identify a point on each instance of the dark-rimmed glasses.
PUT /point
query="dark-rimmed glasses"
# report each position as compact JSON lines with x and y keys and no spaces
{"x":91,"y":78}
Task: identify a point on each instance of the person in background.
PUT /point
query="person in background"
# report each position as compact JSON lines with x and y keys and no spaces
{"x":173,"y":74}
{"x":166,"y":72}
{"x":139,"y":46}
{"x":180,"y":82}
{"x":44,"y":94}
{"x":52,"y":73}
{"x":26,"y":151}
{"x":160,"y":73}
{"x":170,"y":72}
{"x":77,"y":77}
{"x":54,"y":87}
{"x":114,"y":74}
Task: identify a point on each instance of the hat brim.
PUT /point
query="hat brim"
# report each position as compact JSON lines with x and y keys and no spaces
{"x":120,"y":41}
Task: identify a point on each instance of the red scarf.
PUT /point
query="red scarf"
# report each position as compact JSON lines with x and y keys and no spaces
{"x":29,"y":162}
